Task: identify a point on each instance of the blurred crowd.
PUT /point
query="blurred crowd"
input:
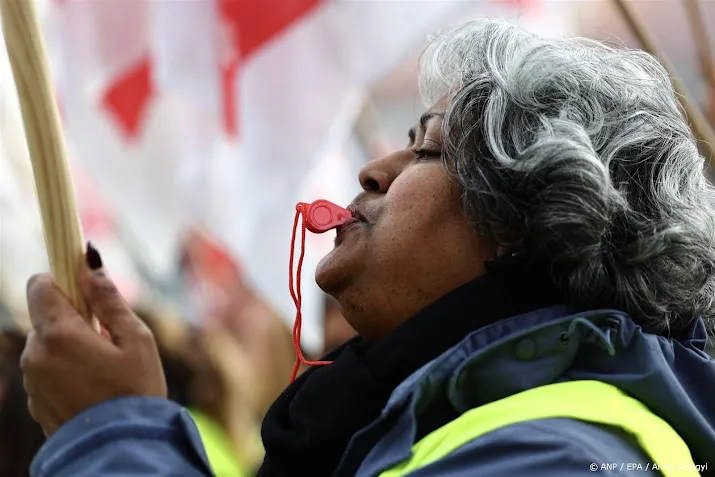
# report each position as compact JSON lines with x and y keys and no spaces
{"x":225,"y":376}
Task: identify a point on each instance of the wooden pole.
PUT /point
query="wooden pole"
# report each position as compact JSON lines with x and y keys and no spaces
{"x":53,"y":182}
{"x":700,"y":125}
{"x":702,"y":40}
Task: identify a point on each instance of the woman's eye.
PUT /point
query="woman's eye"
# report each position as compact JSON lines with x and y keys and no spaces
{"x":427,"y":153}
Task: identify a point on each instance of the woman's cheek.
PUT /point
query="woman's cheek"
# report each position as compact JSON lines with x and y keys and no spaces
{"x":423,"y":206}
{"x":419,"y":186}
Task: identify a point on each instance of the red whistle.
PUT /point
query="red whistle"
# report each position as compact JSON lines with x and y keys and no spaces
{"x":323,"y":215}
{"x":318,"y":217}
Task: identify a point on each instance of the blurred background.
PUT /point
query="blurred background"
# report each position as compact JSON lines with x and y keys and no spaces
{"x":193,"y":129}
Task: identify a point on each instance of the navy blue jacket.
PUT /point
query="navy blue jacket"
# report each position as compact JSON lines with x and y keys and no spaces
{"x":674,"y":379}
{"x":482,"y":363}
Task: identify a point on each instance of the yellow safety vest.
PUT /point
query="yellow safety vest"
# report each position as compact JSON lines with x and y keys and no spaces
{"x":222,"y":457}
{"x":590,"y":401}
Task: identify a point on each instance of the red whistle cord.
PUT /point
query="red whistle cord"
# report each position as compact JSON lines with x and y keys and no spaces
{"x":297,"y":298}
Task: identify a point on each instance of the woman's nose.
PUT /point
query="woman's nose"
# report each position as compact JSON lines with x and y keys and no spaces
{"x":378,"y":174}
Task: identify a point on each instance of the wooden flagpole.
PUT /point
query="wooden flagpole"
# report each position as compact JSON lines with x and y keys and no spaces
{"x":53,"y":183}
{"x":700,"y":125}
{"x":701,"y":38}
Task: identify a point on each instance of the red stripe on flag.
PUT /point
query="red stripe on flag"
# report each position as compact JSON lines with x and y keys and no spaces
{"x":248,"y":26}
{"x":129,"y":96}
{"x":259,"y":21}
{"x":229,"y":74}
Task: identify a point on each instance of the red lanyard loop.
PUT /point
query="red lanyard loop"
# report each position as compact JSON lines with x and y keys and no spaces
{"x":318,"y":217}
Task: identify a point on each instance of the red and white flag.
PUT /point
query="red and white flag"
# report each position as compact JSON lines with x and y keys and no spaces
{"x":222,"y":113}
{"x":22,"y":246}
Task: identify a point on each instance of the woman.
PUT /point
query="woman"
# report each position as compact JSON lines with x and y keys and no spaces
{"x":542,"y":249}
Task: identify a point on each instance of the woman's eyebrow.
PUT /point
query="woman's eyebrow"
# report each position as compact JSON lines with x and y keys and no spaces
{"x":424,"y":119}
{"x":427,"y":117}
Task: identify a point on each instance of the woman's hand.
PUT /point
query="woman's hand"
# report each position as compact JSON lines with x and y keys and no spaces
{"x":68,"y":367}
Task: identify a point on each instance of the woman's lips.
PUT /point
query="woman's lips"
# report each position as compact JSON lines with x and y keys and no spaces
{"x":357,"y":213}
{"x":350,"y":223}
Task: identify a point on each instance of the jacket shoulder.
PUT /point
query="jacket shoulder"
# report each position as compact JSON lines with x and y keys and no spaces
{"x":545,"y":448}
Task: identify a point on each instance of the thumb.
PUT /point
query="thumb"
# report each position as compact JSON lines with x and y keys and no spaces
{"x":104,"y":300}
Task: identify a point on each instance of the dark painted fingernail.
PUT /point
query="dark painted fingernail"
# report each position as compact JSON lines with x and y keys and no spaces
{"x":94,"y":260}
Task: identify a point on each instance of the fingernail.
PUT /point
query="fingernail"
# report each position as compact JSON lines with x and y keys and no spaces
{"x":94,"y":260}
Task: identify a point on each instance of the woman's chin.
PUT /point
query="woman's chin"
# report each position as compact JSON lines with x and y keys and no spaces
{"x":332,"y":274}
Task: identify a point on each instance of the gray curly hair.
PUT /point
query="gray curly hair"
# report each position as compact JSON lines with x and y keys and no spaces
{"x":578,"y":153}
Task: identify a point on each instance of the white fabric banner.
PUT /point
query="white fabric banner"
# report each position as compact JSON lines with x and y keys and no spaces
{"x":143,"y":90}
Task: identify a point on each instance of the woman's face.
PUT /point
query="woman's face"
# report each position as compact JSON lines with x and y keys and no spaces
{"x":412,"y":245}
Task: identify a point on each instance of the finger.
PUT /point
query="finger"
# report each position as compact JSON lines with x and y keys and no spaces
{"x":33,"y":364}
{"x":46,"y":302}
{"x":34,"y":410}
{"x":105,"y":301}
{"x":27,"y":358}
{"x":34,"y":402}
{"x":105,"y":333}
{"x":41,"y":414}
{"x":28,"y":386}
